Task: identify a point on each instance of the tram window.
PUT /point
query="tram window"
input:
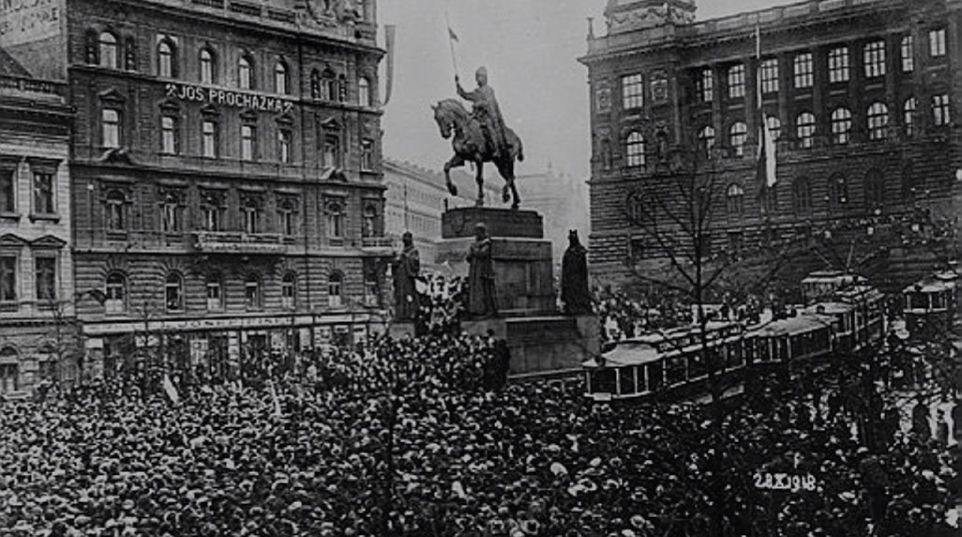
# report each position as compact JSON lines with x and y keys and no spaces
{"x":656,"y":376}
{"x":697,"y":367}
{"x":938,"y":301}
{"x":764,"y":351}
{"x":603,"y":381}
{"x":676,"y":370}
{"x":627,"y":381}
{"x":735,"y":356}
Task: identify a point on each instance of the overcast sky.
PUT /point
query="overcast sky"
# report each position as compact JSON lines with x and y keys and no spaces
{"x":530,"y":49}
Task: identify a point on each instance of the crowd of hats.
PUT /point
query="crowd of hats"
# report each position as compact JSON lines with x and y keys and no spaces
{"x":409,"y":443}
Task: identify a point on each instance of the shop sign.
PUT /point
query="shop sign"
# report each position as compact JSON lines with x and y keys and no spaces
{"x":226,"y":97}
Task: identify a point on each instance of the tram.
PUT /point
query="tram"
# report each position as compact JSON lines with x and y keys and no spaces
{"x":673,"y":364}
{"x":931,"y":304}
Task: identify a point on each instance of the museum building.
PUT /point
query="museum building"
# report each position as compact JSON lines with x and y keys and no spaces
{"x":862,"y":98}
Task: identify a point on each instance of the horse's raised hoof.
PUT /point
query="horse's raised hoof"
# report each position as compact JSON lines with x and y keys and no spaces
{"x":505,"y":194}
{"x":452,"y":189}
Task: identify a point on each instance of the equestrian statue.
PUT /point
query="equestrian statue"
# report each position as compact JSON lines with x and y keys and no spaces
{"x":480,"y":136}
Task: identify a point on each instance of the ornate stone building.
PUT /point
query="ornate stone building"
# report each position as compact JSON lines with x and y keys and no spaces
{"x":226,"y":174}
{"x":862,"y":97}
{"x":37,"y":329}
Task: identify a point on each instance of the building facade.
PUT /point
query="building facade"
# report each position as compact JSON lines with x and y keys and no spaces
{"x":416,"y":198}
{"x":562,"y":201}
{"x":37,"y":328}
{"x":226,"y":176}
{"x":861,"y":97}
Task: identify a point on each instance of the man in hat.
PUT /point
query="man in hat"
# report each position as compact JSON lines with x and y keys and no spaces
{"x":487,"y":112}
{"x":406,"y":268}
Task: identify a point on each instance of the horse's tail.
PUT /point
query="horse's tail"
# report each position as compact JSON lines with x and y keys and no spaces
{"x":520,"y":150}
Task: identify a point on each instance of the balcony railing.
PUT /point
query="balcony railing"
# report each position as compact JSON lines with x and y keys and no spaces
{"x":233,"y":242}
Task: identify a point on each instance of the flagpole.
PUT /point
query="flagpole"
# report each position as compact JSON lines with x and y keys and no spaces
{"x":454,"y":57}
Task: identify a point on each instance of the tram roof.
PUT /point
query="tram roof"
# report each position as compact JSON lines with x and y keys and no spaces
{"x":627,"y":353}
{"x":931,"y":285}
{"x":829,"y":308}
{"x":802,"y":323}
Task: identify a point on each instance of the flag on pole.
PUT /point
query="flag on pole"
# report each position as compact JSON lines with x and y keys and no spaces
{"x":453,"y":36}
{"x":389,"y":35}
{"x":767,"y":163}
{"x":171,"y":390}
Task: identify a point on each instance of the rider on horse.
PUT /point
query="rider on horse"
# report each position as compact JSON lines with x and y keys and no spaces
{"x":488,"y":113}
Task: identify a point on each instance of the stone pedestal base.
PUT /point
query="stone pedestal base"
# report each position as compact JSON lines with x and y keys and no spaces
{"x":524,"y":280}
{"x":544,"y":346}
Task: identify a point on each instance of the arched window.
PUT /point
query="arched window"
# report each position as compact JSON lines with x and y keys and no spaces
{"x":802,"y":195}
{"x":166,"y":59}
{"x":369,"y":222}
{"x":280,"y":78}
{"x":805,"y":126}
{"x":168,"y":134}
{"x":215,"y":292}
{"x":908,"y":116}
{"x":174,"y":292}
{"x":329,"y":85}
{"x":841,"y":126}
{"x":878,"y":121}
{"x":107,"y":50}
{"x":334,"y":283}
{"x":839,"y":189}
{"x":737,"y":136}
{"x":245,"y":72}
{"x":9,"y":370}
{"x":364,"y":92}
{"x":208,"y":66}
{"x":706,"y":140}
{"x":335,"y":219}
{"x":735,"y":200}
{"x":874,"y":189}
{"x":288,"y":290}
{"x":116,"y":211}
{"x":252,"y":292}
{"x":635,"y":150}
{"x":774,"y":127}
{"x":116,"y":293}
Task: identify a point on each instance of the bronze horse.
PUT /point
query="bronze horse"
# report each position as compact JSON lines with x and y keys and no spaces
{"x":470,"y":146}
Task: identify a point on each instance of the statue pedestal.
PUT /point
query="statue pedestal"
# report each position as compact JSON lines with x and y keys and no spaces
{"x":524,"y":279}
{"x":542,"y":342}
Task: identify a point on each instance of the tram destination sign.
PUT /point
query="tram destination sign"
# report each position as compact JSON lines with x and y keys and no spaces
{"x":225,"y":97}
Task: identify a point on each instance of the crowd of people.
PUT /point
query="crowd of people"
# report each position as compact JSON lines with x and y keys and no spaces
{"x":415,"y":438}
